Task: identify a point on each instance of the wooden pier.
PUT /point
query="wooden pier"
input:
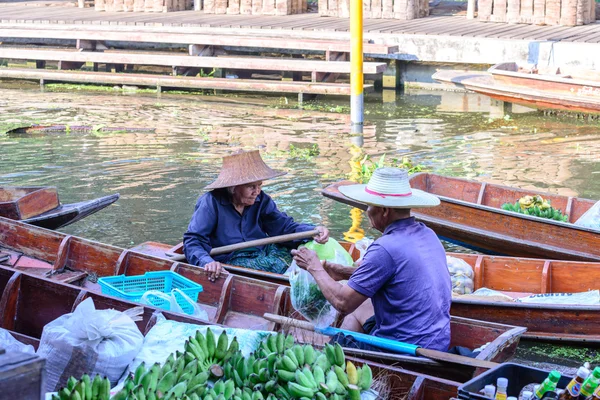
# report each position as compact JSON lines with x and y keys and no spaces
{"x":310,"y":53}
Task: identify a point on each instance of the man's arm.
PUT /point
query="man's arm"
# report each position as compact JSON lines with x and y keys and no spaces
{"x":338,"y":272}
{"x":343,"y":298}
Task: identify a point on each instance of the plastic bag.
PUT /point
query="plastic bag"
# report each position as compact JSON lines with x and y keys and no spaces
{"x":362,"y":245}
{"x":10,"y":344}
{"x":331,"y":251}
{"x":96,"y":342}
{"x":308,"y":299}
{"x":461,"y":275}
{"x":583,"y":298}
{"x":168,"y":336}
{"x":176,"y":301}
{"x":591,"y":218}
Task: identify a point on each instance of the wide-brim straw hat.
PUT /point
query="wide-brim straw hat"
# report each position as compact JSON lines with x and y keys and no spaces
{"x":242,"y":168}
{"x":390,"y":187}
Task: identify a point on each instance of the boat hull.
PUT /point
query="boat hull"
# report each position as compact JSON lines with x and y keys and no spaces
{"x":232,"y":300}
{"x":524,"y":91}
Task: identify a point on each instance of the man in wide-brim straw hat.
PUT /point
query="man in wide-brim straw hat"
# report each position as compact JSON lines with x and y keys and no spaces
{"x":236,"y":210}
{"x":404,"y":272}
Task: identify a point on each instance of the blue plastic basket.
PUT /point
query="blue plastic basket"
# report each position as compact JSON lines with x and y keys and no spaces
{"x":132,"y":288}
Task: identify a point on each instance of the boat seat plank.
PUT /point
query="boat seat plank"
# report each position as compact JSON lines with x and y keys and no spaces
{"x":63,"y":253}
{"x":9,"y":300}
{"x":546,"y":284}
{"x":270,"y":64}
{"x":260,"y":85}
{"x":69,"y":276}
{"x":224,"y":301}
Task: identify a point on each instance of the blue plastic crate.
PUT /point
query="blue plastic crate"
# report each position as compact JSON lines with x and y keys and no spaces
{"x":132,"y":288}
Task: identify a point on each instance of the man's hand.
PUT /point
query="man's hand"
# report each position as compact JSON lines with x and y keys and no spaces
{"x":323,"y":235}
{"x":213,"y":270}
{"x":307,"y":259}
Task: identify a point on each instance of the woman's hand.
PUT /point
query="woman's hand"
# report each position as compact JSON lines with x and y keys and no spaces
{"x":213,"y":270}
{"x":323,"y":235}
{"x":307,"y":259}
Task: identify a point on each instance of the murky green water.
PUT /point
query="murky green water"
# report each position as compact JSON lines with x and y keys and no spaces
{"x":159,"y":175}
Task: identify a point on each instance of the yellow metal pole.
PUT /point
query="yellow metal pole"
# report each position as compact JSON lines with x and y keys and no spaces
{"x":356,"y":60}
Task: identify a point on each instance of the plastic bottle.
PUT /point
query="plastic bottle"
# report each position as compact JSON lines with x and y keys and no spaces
{"x":489,"y":391}
{"x":589,"y":386}
{"x":511,"y":398}
{"x":550,"y":395}
{"x":501,"y":384}
{"x":597,"y":394}
{"x":572,"y":390}
{"x":549,"y":384}
{"x":526,"y":395}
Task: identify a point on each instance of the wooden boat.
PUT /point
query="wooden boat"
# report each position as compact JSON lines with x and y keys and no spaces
{"x":40,"y":206}
{"x":515,"y":277}
{"x":28,"y":302}
{"x":234,"y":300}
{"x":470,"y":214}
{"x":563,"y":89}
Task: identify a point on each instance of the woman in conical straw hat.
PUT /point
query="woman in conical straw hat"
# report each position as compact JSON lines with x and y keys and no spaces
{"x":236,"y":210}
{"x":404,"y":272}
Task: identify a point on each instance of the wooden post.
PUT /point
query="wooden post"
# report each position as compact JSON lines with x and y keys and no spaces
{"x":471,"y":9}
{"x":485,"y":10}
{"x":513,"y":11}
{"x":539,"y":12}
{"x":526,"y":16}
{"x":568,"y":12}
{"x":233,"y":7}
{"x":99,"y":5}
{"x":552,"y":12}
{"x":499,"y":12}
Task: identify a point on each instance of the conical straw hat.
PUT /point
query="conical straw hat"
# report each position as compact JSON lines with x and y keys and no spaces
{"x":390,"y":187}
{"x":241,"y":168}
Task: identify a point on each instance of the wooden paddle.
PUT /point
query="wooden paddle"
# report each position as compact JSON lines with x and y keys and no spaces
{"x":387,"y":344}
{"x":255,"y":243}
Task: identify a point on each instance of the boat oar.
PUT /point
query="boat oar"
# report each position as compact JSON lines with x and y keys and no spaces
{"x":255,"y":243}
{"x":387,"y":344}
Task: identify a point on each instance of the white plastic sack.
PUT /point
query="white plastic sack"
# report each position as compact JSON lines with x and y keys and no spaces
{"x":362,"y":245}
{"x":10,"y":344}
{"x":174,"y":302}
{"x":583,"y":298}
{"x":168,"y":336}
{"x":308,"y":299}
{"x":591,"y":218}
{"x":95,"y":342}
{"x":461,"y":275}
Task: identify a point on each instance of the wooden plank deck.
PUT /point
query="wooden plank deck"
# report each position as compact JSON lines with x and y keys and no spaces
{"x":312,"y":25}
{"x":161,"y":81}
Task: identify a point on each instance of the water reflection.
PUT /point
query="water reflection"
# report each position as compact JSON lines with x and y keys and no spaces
{"x":160,"y":174}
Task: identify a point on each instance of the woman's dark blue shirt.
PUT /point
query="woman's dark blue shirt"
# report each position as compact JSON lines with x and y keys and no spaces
{"x":217,"y":223}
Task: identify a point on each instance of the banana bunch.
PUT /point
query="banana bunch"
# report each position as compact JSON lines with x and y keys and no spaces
{"x":209,"y":350}
{"x":275,"y":344}
{"x":301,"y":372}
{"x":210,"y":368}
{"x":85,"y":389}
{"x":536,"y":206}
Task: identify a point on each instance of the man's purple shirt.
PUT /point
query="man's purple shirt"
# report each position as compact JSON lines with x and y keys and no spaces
{"x":405,"y":274}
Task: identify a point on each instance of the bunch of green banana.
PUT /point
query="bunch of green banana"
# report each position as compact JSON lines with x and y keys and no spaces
{"x":536,"y":206}
{"x":275,"y":344}
{"x":209,"y":350}
{"x":212,"y":369}
{"x":85,"y":389}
